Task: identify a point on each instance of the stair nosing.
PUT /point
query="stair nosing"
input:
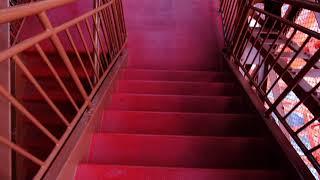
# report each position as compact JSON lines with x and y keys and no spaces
{"x":257,"y":138}
{"x":164,"y":70}
{"x":181,"y":167}
{"x":175,"y":82}
{"x":180,"y":95}
{"x":183,"y":113}
{"x":161,"y":111}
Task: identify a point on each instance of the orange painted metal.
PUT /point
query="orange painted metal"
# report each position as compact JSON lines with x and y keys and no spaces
{"x":109,"y":35}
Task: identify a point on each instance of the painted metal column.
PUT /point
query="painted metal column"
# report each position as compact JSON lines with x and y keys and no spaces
{"x":5,"y":111}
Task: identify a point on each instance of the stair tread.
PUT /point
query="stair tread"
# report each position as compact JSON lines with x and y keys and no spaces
{"x":175,"y":82}
{"x":177,"y":103}
{"x":96,"y":171}
{"x":184,"y":151}
{"x":174,"y":123}
{"x":190,"y":113}
{"x":175,"y":75}
{"x":172,"y":70}
{"x":177,"y":87}
{"x":177,"y":95}
{"x":42,"y":71}
{"x":55,"y":96}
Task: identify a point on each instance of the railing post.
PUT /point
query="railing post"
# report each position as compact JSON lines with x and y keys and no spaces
{"x":5,"y":109}
{"x":58,"y":45}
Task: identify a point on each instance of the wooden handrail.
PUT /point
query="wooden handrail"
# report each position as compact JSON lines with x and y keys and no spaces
{"x":17,"y":12}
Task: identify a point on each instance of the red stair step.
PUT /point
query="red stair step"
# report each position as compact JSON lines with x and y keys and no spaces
{"x":116,"y":172}
{"x":63,"y":73}
{"x":40,"y":69}
{"x":177,"y":87}
{"x":174,"y":123}
{"x":42,"y":111}
{"x":166,"y":75}
{"x":178,"y":103}
{"x":54,"y":95}
{"x":182,"y":151}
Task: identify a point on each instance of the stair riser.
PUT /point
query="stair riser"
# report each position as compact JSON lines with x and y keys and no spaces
{"x":178,"y":88}
{"x":192,"y":152}
{"x":161,"y":173}
{"x":175,"y":76}
{"x":202,"y":104}
{"x":40,"y":69}
{"x":180,"y":124}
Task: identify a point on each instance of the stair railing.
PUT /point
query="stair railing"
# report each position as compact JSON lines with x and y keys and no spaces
{"x":279,"y":59}
{"x":15,"y":27}
{"x":102,"y":53}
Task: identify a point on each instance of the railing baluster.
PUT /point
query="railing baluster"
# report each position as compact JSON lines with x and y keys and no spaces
{"x":113,"y":27}
{"x":98,"y":40}
{"x":232,"y":31}
{"x":58,"y":45}
{"x":226,"y":8}
{"x":314,"y":59}
{"x":56,"y":75}
{"x":116,"y":22}
{"x":307,"y":124}
{"x":277,"y":58}
{"x":270,"y":48}
{"x":242,"y":29}
{"x":237,"y":46}
{"x":256,"y":39}
{"x":250,"y":31}
{"x":26,"y":113}
{"x":314,"y":149}
{"x":30,"y":77}
{"x":230,"y":19}
{"x":79,"y":57}
{"x":314,"y":89}
{"x":289,"y":64}
{"x":110,"y":32}
{"x":106,"y":36}
{"x":94,"y":46}
{"x":222,"y":2}
{"x":87,"y":50}
{"x":21,"y":151}
{"x":225,"y":12}
{"x":100,"y":24}
{"x":120,"y":10}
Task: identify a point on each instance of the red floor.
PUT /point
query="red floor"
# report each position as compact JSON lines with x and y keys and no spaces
{"x":173,"y":34}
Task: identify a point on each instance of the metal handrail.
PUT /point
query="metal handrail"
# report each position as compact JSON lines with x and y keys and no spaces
{"x":20,"y":11}
{"x":245,"y":29}
{"x":313,"y":6}
{"x":104,"y":37}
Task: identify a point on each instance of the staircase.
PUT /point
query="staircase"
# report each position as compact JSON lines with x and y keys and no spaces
{"x":177,"y":110}
{"x":165,"y":124}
